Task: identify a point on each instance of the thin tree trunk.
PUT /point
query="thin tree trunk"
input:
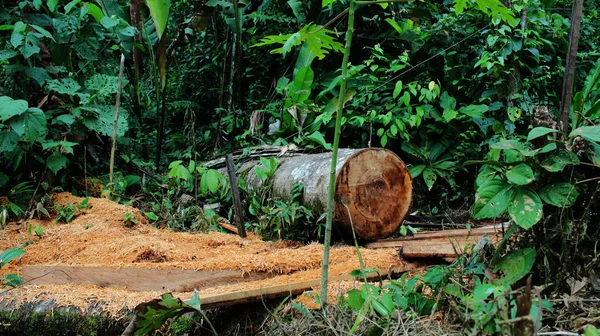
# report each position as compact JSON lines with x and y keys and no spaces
{"x":567,"y":89}
{"x":116,"y":120}
{"x":336,"y":142}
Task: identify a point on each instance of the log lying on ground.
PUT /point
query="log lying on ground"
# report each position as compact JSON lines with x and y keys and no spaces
{"x":373,"y":187}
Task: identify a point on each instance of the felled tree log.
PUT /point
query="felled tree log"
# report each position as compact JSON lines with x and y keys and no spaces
{"x":373,"y":188}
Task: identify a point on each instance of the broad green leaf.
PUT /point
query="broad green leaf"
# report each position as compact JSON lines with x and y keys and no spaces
{"x":103,"y":84}
{"x":488,"y":172}
{"x":429,"y":176}
{"x":538,"y":132}
{"x":515,"y":265}
{"x":70,"y":5}
{"x":354,"y":299}
{"x":151,"y":216}
{"x":492,"y":198}
{"x":43,"y":31}
{"x":397,"y":89}
{"x":102,"y":120}
{"x":327,"y":3}
{"x":514,"y":113}
{"x":483,"y":291}
{"x":562,"y":194}
{"x":590,"y":133}
{"x":31,"y":46}
{"x":159,"y":10}
{"x":13,"y":280}
{"x":447,"y":102}
{"x":591,"y":80}
{"x":302,"y":84}
{"x":317,"y":137}
{"x":110,"y":22}
{"x":38,"y":74}
{"x":548,"y":148}
{"x":66,"y":86}
{"x":459,"y":6}
{"x":520,"y":174}
{"x":52,"y":5}
{"x":17,"y":36}
{"x":475,"y":111}
{"x":94,"y":11}
{"x":56,"y":162}
{"x":415,"y":171}
{"x":10,"y":107}
{"x":31,"y":125}
{"x":591,"y":330}
{"x":7,"y":54}
{"x":525,"y":208}
{"x":212,"y":180}
{"x":8,"y":141}
{"x":560,"y":160}
{"x":9,"y":255}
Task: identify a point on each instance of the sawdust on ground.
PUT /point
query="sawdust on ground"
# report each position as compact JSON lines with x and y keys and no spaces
{"x":97,"y":237}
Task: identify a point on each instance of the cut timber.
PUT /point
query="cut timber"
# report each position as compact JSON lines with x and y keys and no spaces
{"x":438,"y":244}
{"x":373,"y":188}
{"x":137,"y":279}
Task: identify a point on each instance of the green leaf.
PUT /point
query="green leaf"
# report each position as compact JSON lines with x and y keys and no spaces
{"x":56,"y":162}
{"x":317,"y":137}
{"x":8,"y":141}
{"x":43,"y":31}
{"x":94,"y":11}
{"x":447,"y":102}
{"x":70,"y":5}
{"x":397,"y":89}
{"x":429,"y":176}
{"x":10,"y":107}
{"x":591,"y":330}
{"x":475,"y":111}
{"x":355,"y":299}
{"x":514,"y":113}
{"x":525,"y":208}
{"x":66,"y":86}
{"x":17,"y":36}
{"x":31,"y":124}
{"x":492,"y":200}
{"x":590,"y":133}
{"x":415,"y":171}
{"x":52,"y":5}
{"x":459,"y":6}
{"x":562,"y":195}
{"x":9,"y":255}
{"x":12,"y":280}
{"x":302,"y":84}
{"x":38,"y":74}
{"x":159,"y":10}
{"x":103,"y":120}
{"x":212,"y":180}
{"x":483,"y":291}
{"x":7,"y":54}
{"x":151,"y":216}
{"x":538,"y":132}
{"x":560,"y":160}
{"x":104,"y":85}
{"x":515,"y":265}
{"x":520,"y":174}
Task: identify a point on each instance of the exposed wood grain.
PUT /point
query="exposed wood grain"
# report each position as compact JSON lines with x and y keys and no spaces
{"x":228,"y":227}
{"x":137,"y":279}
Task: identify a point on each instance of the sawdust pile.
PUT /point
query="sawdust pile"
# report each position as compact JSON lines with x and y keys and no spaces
{"x":97,"y":237}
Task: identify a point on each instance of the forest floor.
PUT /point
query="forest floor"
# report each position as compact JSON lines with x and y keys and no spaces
{"x":98,"y":237}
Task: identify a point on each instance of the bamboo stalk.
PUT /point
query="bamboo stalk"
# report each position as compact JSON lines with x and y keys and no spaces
{"x":336,"y":142}
{"x":116,"y":120}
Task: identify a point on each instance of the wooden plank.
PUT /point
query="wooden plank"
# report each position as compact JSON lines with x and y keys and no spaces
{"x":235,"y":193}
{"x":294,"y":289}
{"x":437,"y":244}
{"x":137,"y":279}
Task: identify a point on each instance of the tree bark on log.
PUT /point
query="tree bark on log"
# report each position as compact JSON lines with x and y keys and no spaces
{"x":373,"y":188}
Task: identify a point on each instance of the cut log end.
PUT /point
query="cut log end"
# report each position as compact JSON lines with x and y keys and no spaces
{"x":376,"y":188}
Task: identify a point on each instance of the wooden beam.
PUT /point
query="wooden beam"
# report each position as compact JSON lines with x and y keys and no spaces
{"x":438,"y":244}
{"x":294,"y":289}
{"x":137,"y":279}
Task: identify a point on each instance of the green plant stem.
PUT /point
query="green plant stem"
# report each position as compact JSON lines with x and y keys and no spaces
{"x":336,"y":142}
